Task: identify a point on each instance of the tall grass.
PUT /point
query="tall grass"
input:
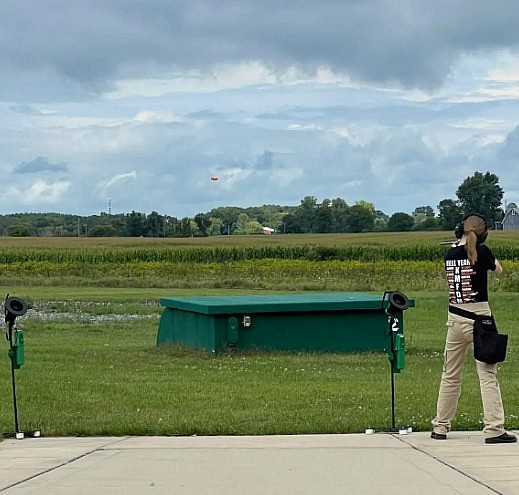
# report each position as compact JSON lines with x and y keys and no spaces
{"x":265,"y":274}
{"x":229,"y":254}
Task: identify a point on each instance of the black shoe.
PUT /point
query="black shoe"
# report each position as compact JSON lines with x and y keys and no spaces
{"x":438,"y":436}
{"x":504,"y":438}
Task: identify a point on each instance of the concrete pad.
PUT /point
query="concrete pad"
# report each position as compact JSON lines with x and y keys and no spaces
{"x":385,"y":464}
{"x":496,"y":466}
{"x":30,"y":457}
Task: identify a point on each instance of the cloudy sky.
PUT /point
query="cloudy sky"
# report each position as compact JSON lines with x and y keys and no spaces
{"x":135,"y":104}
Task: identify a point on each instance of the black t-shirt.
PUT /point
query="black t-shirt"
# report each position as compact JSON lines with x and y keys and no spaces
{"x":468,"y":284}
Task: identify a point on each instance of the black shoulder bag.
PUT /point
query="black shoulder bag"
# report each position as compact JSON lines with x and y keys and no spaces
{"x":489,"y":344}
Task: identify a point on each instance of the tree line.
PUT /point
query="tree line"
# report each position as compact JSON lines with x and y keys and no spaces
{"x":479,"y":194}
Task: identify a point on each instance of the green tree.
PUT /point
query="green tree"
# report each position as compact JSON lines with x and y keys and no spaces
{"x":203,"y":222}
{"x":172,"y":226}
{"x":185,"y":227}
{"x":424,"y":219}
{"x":449,"y":214}
{"x":481,"y":194}
{"x":246,"y":225}
{"x":360,"y":218}
{"x":306,"y":214}
{"x":135,"y":224}
{"x":366,"y":204}
{"x":323,"y":217}
{"x":340,"y":210}
{"x":18,"y":231}
{"x":102,"y":231}
{"x":253,"y":227}
{"x":228,"y":215}
{"x":400,"y":222}
{"x":267,"y":215}
{"x":216,"y":226}
{"x":381,"y":220}
{"x":426,"y":223}
{"x":117,"y":222}
{"x":291,"y":224}
{"x":424,"y":210}
{"x":154,"y":225}
{"x":241,"y":224}
{"x":278,"y":222}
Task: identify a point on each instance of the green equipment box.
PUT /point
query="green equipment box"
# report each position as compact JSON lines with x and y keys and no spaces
{"x":324,"y":322}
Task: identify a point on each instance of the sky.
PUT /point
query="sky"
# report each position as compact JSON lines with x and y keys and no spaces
{"x":133,"y":105}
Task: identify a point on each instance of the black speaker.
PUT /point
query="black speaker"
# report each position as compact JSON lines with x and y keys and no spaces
{"x":13,"y":307}
{"x":397,"y":302}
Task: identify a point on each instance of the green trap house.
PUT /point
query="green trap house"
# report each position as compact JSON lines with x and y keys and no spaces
{"x":320,"y":322}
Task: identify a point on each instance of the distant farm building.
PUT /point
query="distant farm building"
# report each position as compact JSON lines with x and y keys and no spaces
{"x":511,"y":218}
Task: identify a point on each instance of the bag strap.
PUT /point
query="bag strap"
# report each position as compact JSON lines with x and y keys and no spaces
{"x":462,"y":312}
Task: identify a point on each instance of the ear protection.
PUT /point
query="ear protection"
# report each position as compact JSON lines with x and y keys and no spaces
{"x":460,"y":229}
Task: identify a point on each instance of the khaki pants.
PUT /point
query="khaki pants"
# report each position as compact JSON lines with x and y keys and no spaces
{"x":459,"y":338}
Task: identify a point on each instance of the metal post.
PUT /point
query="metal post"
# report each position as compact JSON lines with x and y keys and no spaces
{"x":15,"y":407}
{"x":392,"y":349}
{"x":14,"y":307}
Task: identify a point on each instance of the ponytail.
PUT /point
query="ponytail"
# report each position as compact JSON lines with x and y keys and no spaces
{"x":470,"y":247}
{"x":475,"y":231}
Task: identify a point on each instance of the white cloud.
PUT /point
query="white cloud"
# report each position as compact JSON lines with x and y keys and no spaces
{"x":356,"y":135}
{"x":38,"y":193}
{"x":304,"y":127}
{"x":487,"y":94}
{"x":224,"y":77}
{"x":501,"y":66}
{"x":481,"y":123}
{"x":151,"y":116}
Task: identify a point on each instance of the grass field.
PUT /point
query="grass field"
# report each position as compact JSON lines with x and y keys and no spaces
{"x":92,"y":367}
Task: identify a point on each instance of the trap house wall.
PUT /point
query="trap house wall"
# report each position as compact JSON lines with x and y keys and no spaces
{"x":333,"y":322}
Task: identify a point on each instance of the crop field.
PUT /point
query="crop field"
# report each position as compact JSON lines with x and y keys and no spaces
{"x":371,"y":238}
{"x":280,"y":262}
{"x":92,"y":367}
